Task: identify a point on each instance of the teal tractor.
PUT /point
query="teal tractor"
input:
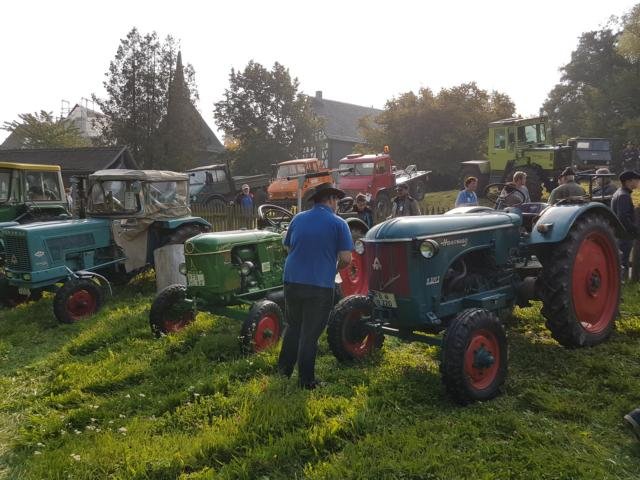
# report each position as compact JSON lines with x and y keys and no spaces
{"x":131,"y":213}
{"x":242,"y":267}
{"x":449,"y":279}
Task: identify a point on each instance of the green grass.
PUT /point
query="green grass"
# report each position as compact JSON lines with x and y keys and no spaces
{"x":104,"y":399}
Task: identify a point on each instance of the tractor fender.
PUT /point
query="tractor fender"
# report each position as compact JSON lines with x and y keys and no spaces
{"x":357,"y":223}
{"x":562,"y":217}
{"x":175,"y":223}
{"x":89,"y":275}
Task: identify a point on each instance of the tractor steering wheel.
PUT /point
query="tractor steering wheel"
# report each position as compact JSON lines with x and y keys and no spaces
{"x":498,"y":193}
{"x":274,"y":216}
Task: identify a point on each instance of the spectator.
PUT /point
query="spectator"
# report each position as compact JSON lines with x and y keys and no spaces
{"x":404,"y":204}
{"x":316,"y":239}
{"x":67,"y":192}
{"x":520,"y":181}
{"x":362,"y":210}
{"x":568,"y":187}
{"x":468,"y":197}
{"x":622,"y":206}
{"x":630,"y":157}
{"x":245,"y":198}
{"x":604,"y":186}
{"x":633,"y":420}
{"x":514,"y":193}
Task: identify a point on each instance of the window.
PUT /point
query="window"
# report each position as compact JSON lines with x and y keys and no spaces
{"x":499,"y":138}
{"x":197,"y":178}
{"x":42,"y":186}
{"x":290,"y":170}
{"x":5,"y":185}
{"x":168,"y":194}
{"x":221,"y":176}
{"x":599,"y":145}
{"x":113,"y":196}
{"x":381,"y":168}
{"x":312,"y":168}
{"x":532,"y":134}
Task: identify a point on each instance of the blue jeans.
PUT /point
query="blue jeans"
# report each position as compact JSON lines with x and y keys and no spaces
{"x":307,"y":311}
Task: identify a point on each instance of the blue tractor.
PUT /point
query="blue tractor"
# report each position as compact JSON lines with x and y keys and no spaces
{"x":448,"y":279}
{"x":130,"y":213}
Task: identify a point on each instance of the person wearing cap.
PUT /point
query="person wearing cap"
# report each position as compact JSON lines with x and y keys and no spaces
{"x":568,"y":187}
{"x":245,"y":198}
{"x":467,"y":197}
{"x":363,"y":211}
{"x":604,"y":186}
{"x":622,"y":206}
{"x":317,"y":240}
{"x":404,"y":204}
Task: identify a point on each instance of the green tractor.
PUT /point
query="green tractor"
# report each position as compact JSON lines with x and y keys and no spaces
{"x":520,"y":144}
{"x":131,"y":213}
{"x":243,"y":267}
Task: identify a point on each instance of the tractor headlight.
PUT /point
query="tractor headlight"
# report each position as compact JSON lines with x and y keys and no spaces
{"x":428,"y":248}
{"x":26,"y":277}
{"x":182,"y":268}
{"x":358,"y":246}
{"x":245,"y":268}
{"x":188,"y":247}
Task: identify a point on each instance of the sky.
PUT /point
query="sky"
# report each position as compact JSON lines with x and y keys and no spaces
{"x":361,"y":52}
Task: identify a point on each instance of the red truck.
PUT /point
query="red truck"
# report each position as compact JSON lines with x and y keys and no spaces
{"x":376,"y":176}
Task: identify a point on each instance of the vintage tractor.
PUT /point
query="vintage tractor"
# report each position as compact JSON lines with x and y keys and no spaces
{"x":240,"y":267}
{"x":447,"y":280}
{"x":131,"y":213}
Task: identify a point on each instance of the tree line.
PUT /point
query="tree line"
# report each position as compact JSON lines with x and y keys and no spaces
{"x":151,"y":96}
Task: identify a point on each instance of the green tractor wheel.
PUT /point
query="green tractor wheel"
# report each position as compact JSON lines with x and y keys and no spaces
{"x":349,"y":339}
{"x":263,"y":326}
{"x":474,"y":356}
{"x":169,"y":311}
{"x":77,"y":300}
{"x":581,"y":284}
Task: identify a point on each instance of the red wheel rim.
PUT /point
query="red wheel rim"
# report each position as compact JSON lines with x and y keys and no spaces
{"x":354,"y":278}
{"x":80,"y":304}
{"x":267,"y":332}
{"x":177,"y":323}
{"x":355,"y":339}
{"x":595,"y":282}
{"x":482,"y":359}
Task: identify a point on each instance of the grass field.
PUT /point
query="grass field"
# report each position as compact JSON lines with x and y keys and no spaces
{"x":104,"y":399}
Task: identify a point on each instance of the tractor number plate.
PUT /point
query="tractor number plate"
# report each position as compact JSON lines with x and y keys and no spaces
{"x":195,"y":279}
{"x":382,"y":299}
{"x":24,"y":291}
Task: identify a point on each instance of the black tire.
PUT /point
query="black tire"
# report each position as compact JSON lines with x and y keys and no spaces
{"x":419,"y":190}
{"x":534,"y":181}
{"x":11,"y":297}
{"x":262,"y":328}
{"x":581,"y":297}
{"x":77,"y":299}
{"x":474,"y":335}
{"x":169,"y":312}
{"x":184,"y":233}
{"x":383,"y":207}
{"x":473,"y":171}
{"x":347,"y":337}
{"x":216,"y":203}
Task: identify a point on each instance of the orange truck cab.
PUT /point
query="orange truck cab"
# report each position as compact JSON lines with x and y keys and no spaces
{"x":283,"y":190}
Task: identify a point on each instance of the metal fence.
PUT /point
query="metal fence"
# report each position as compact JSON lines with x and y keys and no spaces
{"x":234,"y":217}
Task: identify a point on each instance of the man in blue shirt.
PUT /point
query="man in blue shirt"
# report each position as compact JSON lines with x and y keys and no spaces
{"x":245,"y":198}
{"x":316,"y":240}
{"x":467,"y":197}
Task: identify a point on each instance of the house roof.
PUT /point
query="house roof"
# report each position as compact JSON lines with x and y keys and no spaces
{"x":73,"y":160}
{"x":341,"y":120}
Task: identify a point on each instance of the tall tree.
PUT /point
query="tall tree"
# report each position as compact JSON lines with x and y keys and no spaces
{"x":42,"y":130}
{"x":137,"y":83}
{"x":437,"y":132}
{"x":265,"y":115}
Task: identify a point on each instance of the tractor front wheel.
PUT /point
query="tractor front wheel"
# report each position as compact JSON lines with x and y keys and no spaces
{"x":474,"y":356}
{"x":76,"y":300}
{"x":262,"y":328}
{"x":581,"y":284}
{"x":169,"y":311}
{"x":348,"y":336}
{"x":353,"y":276}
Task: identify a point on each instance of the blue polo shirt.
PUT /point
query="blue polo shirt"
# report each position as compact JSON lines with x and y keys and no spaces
{"x":466,"y":197}
{"x":314,"y":239}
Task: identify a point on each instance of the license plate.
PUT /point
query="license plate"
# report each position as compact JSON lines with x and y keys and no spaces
{"x":24,"y":291}
{"x":195,"y":279}
{"x":382,"y":299}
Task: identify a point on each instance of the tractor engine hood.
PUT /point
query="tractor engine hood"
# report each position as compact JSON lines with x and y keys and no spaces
{"x":409,"y":228}
{"x":225,"y":241}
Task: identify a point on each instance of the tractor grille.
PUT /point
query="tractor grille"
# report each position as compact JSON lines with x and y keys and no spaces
{"x":387,"y":268}
{"x":17,"y":253}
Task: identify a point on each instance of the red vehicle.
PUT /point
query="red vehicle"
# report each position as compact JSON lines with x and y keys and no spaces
{"x":376,"y":176}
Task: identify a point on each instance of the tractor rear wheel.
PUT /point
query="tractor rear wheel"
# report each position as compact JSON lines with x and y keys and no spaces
{"x":474,"y":356}
{"x":349,"y":339}
{"x":169,"y":311}
{"x":262,"y":328}
{"x":184,"y":233}
{"x":77,"y":299}
{"x":581,"y":284}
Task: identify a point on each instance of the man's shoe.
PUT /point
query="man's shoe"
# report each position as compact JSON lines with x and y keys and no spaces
{"x":313,"y":385}
{"x":633,"y":419}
